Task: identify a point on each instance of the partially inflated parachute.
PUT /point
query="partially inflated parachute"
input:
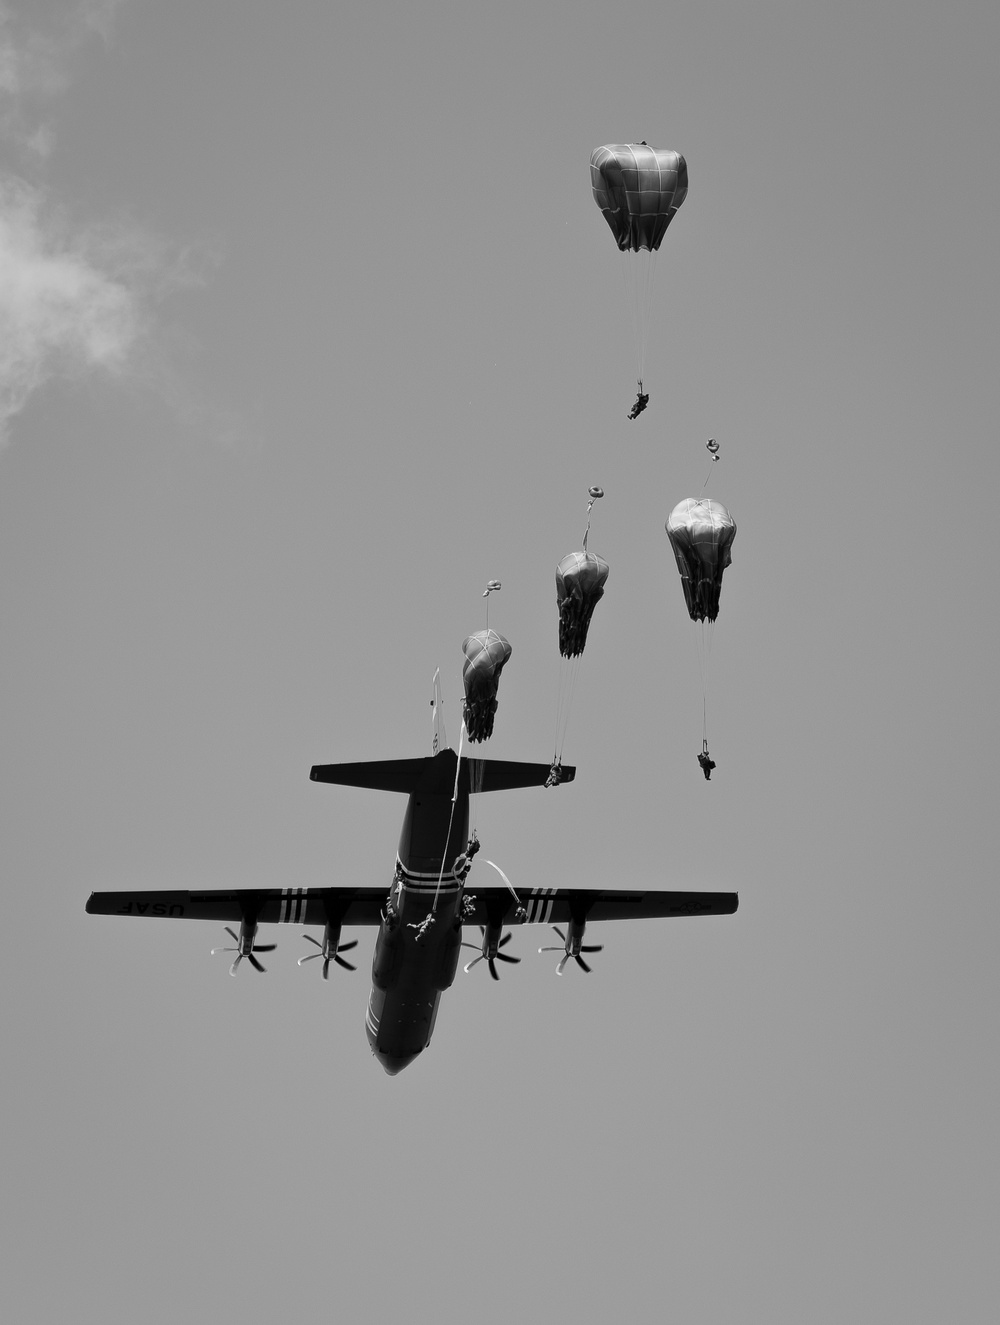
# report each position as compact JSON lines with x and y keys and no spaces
{"x":580,"y":578}
{"x":485,"y":654}
{"x":638,"y":188}
{"x":701,"y":533}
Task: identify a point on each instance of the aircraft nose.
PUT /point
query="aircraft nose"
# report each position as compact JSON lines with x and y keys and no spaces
{"x":394,"y":1063}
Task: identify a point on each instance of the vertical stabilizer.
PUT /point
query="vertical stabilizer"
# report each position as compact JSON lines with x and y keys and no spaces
{"x":439,"y":739}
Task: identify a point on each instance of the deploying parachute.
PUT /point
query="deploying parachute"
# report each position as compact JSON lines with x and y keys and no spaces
{"x":580,"y":578}
{"x":701,"y":533}
{"x":638,"y":189}
{"x":485,"y":654}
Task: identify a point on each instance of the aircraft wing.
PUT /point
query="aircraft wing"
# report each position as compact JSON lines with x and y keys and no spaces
{"x":560,"y":905}
{"x":297,"y":906}
{"x":364,"y":906}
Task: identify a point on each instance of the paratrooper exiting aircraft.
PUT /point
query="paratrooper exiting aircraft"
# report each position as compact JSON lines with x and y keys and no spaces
{"x":420,"y":918}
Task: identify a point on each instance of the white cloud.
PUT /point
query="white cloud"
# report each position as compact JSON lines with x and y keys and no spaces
{"x":61,"y":310}
{"x":74,"y":298}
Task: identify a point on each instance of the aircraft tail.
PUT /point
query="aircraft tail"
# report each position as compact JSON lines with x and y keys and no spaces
{"x":444,"y":770}
{"x":439,"y":740}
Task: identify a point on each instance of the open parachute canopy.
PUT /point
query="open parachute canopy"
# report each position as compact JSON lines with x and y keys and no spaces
{"x":638,"y":188}
{"x":701,"y":533}
{"x":485,"y":654}
{"x":580,"y":578}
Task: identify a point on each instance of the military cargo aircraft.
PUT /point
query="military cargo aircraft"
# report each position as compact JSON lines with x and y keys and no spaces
{"x":420,"y":918}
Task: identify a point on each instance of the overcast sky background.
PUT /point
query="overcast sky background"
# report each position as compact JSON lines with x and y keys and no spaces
{"x":310,"y":326}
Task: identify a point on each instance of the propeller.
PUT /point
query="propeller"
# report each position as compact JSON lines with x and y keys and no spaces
{"x":245,"y":948}
{"x":490,"y":952}
{"x":572,"y":947}
{"x":330,"y":952}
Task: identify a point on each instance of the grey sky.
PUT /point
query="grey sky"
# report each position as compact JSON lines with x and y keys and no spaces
{"x":321,"y":329}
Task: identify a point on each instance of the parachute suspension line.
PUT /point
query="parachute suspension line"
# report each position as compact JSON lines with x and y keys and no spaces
{"x":633,"y":303}
{"x":569,"y":670}
{"x":477,"y":776}
{"x":451,"y":820}
{"x":629,"y":307}
{"x":705,"y":637}
{"x":649,"y":262}
{"x":458,"y":766}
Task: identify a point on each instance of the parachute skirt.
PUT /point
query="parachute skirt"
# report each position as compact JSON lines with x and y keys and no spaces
{"x":701,"y":533}
{"x":485,"y":654}
{"x":580,"y":579}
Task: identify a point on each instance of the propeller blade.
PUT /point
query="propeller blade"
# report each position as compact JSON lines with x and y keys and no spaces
{"x":232,"y":969}
{"x":255,"y":963}
{"x":340,"y":961}
{"x":346,"y":947}
{"x":506,"y":939}
{"x":232,"y":934}
{"x":493,"y":969}
{"x":309,"y":957}
{"x":326,"y":968}
{"x":562,"y":965}
{"x":309,"y":939}
{"x":502,"y":957}
{"x":581,"y":962}
{"x":264,"y":947}
{"x":593,"y":947}
{"x":474,"y":961}
{"x":215,"y":950}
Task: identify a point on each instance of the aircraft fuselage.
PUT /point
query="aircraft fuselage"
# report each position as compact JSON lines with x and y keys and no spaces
{"x":417,"y":949}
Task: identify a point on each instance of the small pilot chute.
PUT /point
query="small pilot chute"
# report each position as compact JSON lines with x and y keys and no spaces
{"x":485,"y":655}
{"x":580,"y":578}
{"x":701,"y":533}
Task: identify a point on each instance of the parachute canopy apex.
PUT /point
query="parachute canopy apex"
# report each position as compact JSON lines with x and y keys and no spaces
{"x":701,"y":533}
{"x":638,"y":188}
{"x":580,"y":579}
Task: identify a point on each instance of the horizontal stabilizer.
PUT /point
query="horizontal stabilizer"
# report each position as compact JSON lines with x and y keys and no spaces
{"x":503,"y":774}
{"x":436,"y":774}
{"x":378,"y":774}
